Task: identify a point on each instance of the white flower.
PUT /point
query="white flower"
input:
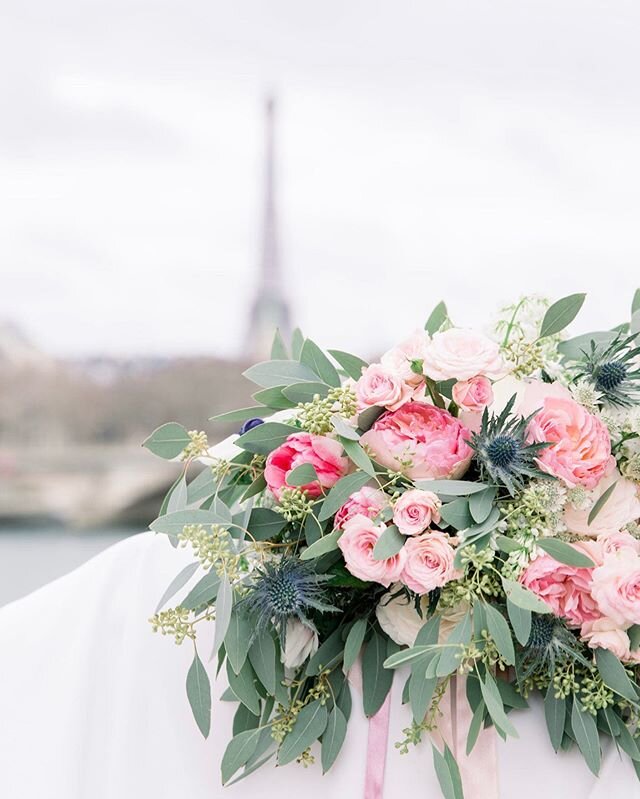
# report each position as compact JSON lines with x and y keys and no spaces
{"x":622,"y":507}
{"x":401,"y":622}
{"x":300,"y":643}
{"x":462,"y":354}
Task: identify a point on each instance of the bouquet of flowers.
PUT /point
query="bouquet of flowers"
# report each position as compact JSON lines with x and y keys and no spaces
{"x":467,"y":505}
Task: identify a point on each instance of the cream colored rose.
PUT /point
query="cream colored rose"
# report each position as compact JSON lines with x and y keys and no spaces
{"x":300,"y":643}
{"x":462,"y":354}
{"x":622,"y":507}
{"x":401,"y":622}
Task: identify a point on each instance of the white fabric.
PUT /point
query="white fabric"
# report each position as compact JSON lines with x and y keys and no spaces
{"x":93,"y":706}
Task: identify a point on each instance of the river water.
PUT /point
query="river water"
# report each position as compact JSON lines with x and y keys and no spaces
{"x":33,"y":556}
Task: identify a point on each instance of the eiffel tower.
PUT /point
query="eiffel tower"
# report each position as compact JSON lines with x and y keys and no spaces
{"x":269,"y":309}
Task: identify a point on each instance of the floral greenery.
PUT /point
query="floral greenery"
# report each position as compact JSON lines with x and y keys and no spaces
{"x":292,"y":613}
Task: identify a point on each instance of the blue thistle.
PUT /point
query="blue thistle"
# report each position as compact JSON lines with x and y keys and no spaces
{"x":502,"y":451}
{"x":285,"y":589}
{"x":550,"y":644}
{"x":612,"y":370}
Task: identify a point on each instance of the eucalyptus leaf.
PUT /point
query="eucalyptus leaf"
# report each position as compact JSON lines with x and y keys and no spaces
{"x":333,"y":738}
{"x":297,"y":340}
{"x":501,"y":634}
{"x":351,"y":364}
{"x":520,"y":619}
{"x":356,"y":454}
{"x":280,"y":373}
{"x":224,"y":606}
{"x":523,"y":598}
{"x":561,"y":314}
{"x":389,"y":544}
{"x":495,"y":707}
{"x":601,"y":502}
{"x":584,"y":728}
{"x":262,"y":655}
{"x":343,"y":429}
{"x":243,"y":686}
{"x":274,"y":399}
{"x":481,"y":503}
{"x":203,"y":592}
{"x":341,"y":492}
{"x":376,"y":679}
{"x":555,"y":711}
{"x":168,"y":440}
{"x":309,"y":725}
{"x":457,"y":514}
{"x":264,"y":438}
{"x":459,"y":638}
{"x":302,"y":475}
{"x":565,"y":553}
{"x":436,"y":319}
{"x":241,"y":414}
{"x":614,"y":675}
{"x":174,"y":523}
{"x":353,"y":644}
{"x":305,"y":392}
{"x":476,"y":725}
{"x":199,"y":695}
{"x":327,"y":543}
{"x":265,"y":523}
{"x":278,"y":347}
{"x":236,"y":640}
{"x":447,"y":773}
{"x":178,"y":582}
{"x":451,"y":488}
{"x":317,"y":361}
{"x":238,"y":751}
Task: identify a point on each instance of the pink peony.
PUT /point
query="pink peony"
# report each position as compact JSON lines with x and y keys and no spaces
{"x":603,"y":633}
{"x":357,"y":542}
{"x":429,"y":562}
{"x":616,"y":588}
{"x":324,"y":454}
{"x":622,"y":507}
{"x":399,"y":359}
{"x":566,"y":589}
{"x":421,"y":441}
{"x":580,"y":451}
{"x":473,"y":395}
{"x":415,"y":510}
{"x":380,"y":386}
{"x":459,"y":354}
{"x":367,"y":501}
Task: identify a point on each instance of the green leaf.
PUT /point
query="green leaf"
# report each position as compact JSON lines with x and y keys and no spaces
{"x":243,"y":686}
{"x":367,"y":418}
{"x":308,"y":727}
{"x":240,"y":415}
{"x":459,"y":637}
{"x":376,"y":680}
{"x":333,"y":738}
{"x":341,"y":492}
{"x":274,"y":398}
{"x":280,"y":373}
{"x":451,"y":488}
{"x":199,"y":695}
{"x":565,"y":553}
{"x":523,"y":598}
{"x":238,"y":636}
{"x":203,"y":592}
{"x":351,"y":364}
{"x":279,"y":348}
{"x":436,"y":319}
{"x":481,"y":503}
{"x":244,"y":719}
{"x":168,"y":440}
{"x":585,"y":731}
{"x":330,"y":649}
{"x":634,"y":637}
{"x":224,"y":606}
{"x":305,"y":392}
{"x":343,"y":429}
{"x":572,"y":349}
{"x":635,"y":305}
{"x":302,"y":475}
{"x":355,"y":452}
{"x":599,"y":505}
{"x":476,"y":725}
{"x":238,"y":751}
{"x":420,"y":694}
{"x":495,"y":707}
{"x":323,"y":545}
{"x":555,"y":711}
{"x":407,"y":656}
{"x":561,"y":314}
{"x":447,"y":773}
{"x":389,"y":544}
{"x":265,"y":437}
{"x":457,"y":514}
{"x":262,"y":655}
{"x":501,"y":634}
{"x":178,"y":582}
{"x":353,"y":644}
{"x":520,"y":619}
{"x":174,"y":523}
{"x":318,"y":362}
{"x":297,"y":340}
{"x":614,"y":675}
{"x":257,"y":487}
{"x":507,"y":545}
{"x":201,"y":487}
{"x":177,"y":497}
{"x":265,"y":524}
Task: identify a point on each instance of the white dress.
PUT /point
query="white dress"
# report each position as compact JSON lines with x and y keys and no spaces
{"x":93,"y":706}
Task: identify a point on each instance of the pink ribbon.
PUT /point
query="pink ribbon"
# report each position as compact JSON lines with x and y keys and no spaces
{"x":377,"y":743}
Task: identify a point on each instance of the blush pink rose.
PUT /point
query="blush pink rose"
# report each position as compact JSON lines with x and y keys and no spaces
{"x":604,"y":633}
{"x":616,"y":588}
{"x":324,"y":454}
{"x":421,"y":441}
{"x":566,"y":589}
{"x":399,"y":359}
{"x":580,"y":450}
{"x":357,"y":542}
{"x":415,"y":510}
{"x":622,"y":507}
{"x":380,"y":386}
{"x":620,"y":541}
{"x":367,"y":501}
{"x":459,"y":354}
{"x":473,"y":395}
{"x":429,"y":562}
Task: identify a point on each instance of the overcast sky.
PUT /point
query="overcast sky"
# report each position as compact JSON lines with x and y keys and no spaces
{"x":466,"y":151}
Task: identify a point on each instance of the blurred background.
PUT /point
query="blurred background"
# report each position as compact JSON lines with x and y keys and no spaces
{"x":178,"y":178}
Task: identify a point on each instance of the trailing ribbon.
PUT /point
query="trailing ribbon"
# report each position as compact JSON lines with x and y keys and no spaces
{"x":377,"y":743}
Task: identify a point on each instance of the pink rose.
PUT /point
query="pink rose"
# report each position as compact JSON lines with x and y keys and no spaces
{"x":473,"y":395}
{"x":399,"y":359}
{"x":616,"y":588}
{"x":380,"y":386}
{"x":461,"y":354}
{"x":566,"y":589}
{"x":580,"y":451}
{"x":415,"y":510}
{"x":421,"y":441}
{"x":357,"y":542}
{"x":324,"y":454}
{"x":603,"y":633}
{"x":429,"y":562}
{"x":619,"y":542}
{"x":622,"y":507}
{"x":367,"y":501}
